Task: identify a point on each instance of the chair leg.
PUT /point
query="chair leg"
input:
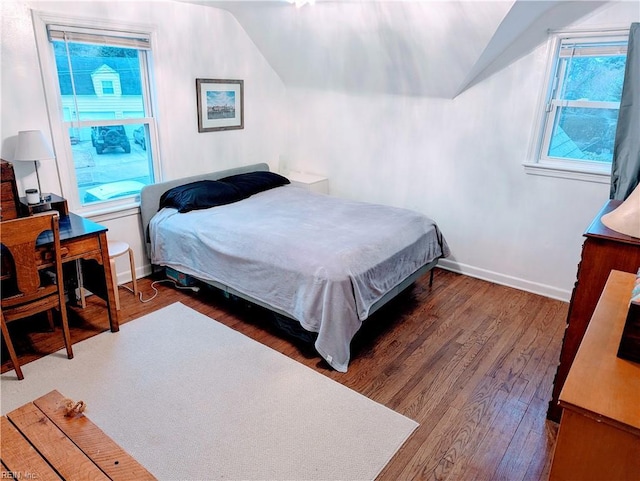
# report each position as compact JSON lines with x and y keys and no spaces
{"x":50,"y":319}
{"x":114,"y":281}
{"x":65,"y":331}
{"x":12,"y":352}
{"x":132,"y":263}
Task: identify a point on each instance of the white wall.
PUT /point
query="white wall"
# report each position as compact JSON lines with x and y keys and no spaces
{"x":459,"y":161}
{"x":192,"y":42}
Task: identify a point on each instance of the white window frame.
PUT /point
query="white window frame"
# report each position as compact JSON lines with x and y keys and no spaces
{"x":539,"y":163}
{"x":109,"y":83}
{"x":59,"y":128}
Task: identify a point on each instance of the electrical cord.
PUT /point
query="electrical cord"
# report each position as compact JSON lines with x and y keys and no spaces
{"x":155,"y":294}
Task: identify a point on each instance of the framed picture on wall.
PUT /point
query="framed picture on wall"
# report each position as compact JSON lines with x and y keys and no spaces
{"x":220,"y":104}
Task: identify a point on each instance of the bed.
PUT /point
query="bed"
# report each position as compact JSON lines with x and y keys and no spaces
{"x":325,"y":262}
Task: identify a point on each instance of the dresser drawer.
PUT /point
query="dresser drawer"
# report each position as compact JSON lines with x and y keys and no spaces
{"x":85,"y":248}
{"x":6,"y":192}
{"x":6,"y":171}
{"x":7,"y":202}
{"x":9,"y":193}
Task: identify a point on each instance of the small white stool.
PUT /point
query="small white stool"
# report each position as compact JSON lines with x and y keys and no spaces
{"x":116,"y":249}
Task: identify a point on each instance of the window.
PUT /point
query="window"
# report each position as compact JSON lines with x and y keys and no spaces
{"x":102,"y":110}
{"x":580,"y":110}
{"x":107,"y":87}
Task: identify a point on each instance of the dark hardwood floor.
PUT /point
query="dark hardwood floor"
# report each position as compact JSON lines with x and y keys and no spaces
{"x":472,"y":362}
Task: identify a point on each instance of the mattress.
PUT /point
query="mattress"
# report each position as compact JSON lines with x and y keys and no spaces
{"x":322,"y":260}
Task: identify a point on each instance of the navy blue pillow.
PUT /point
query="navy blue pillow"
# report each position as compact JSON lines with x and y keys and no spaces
{"x":201,"y":194}
{"x":251,"y":183}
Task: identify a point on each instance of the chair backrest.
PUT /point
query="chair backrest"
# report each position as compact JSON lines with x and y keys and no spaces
{"x":19,"y":236}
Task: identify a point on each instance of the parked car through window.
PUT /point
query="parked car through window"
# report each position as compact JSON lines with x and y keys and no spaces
{"x":110,"y":136}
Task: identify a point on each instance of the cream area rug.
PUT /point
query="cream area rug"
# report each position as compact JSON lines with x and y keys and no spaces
{"x":192,"y":399}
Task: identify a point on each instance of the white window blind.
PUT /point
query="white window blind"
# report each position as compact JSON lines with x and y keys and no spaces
{"x":592,"y":47}
{"x":140,"y":41}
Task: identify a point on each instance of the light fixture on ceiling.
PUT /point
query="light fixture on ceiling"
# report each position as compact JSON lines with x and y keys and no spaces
{"x":301,"y":3}
{"x":626,"y":217}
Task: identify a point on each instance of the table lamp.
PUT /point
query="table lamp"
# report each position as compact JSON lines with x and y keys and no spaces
{"x":626,"y":217}
{"x":32,"y":147}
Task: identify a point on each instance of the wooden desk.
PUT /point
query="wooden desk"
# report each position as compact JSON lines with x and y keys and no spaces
{"x":40,"y":442}
{"x":599,"y":436}
{"x":86,"y":241}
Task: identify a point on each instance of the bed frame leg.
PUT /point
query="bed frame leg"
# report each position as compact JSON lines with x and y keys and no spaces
{"x":431,"y":278}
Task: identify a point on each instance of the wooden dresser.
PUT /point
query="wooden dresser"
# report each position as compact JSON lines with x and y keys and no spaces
{"x":603,"y":250}
{"x":599,"y":436}
{"x":9,"y":201}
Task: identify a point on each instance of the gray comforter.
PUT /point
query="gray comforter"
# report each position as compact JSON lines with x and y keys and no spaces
{"x":322,"y":260}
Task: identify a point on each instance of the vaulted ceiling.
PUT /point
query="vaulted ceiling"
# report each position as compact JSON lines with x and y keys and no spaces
{"x":416,"y":48}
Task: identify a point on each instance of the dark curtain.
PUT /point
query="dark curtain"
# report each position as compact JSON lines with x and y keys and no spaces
{"x":625,"y":169}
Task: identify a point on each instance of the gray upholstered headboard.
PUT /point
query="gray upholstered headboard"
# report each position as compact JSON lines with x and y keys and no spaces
{"x":150,"y":194}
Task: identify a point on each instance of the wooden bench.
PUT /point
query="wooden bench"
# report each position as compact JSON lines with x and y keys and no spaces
{"x":40,"y":442}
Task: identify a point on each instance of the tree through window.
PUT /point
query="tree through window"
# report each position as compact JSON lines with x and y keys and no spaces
{"x":583,"y":99}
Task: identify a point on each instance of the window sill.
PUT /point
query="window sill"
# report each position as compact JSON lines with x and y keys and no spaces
{"x":111,"y":212}
{"x":568,"y":170}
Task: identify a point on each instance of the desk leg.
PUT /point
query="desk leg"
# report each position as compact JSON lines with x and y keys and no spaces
{"x":111,"y":296}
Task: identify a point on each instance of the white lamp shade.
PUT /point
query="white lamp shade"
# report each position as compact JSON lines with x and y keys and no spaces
{"x":32,"y":146}
{"x":626,"y":217}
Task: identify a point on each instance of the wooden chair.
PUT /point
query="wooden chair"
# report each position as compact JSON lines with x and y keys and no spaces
{"x":33,"y":291}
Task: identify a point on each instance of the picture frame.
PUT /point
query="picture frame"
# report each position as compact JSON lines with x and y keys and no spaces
{"x":220,"y":104}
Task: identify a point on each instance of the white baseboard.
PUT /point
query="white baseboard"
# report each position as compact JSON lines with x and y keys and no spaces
{"x":141,"y":271}
{"x":505,"y":280}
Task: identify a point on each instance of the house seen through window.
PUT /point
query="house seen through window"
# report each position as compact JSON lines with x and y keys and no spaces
{"x":103,"y":79}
